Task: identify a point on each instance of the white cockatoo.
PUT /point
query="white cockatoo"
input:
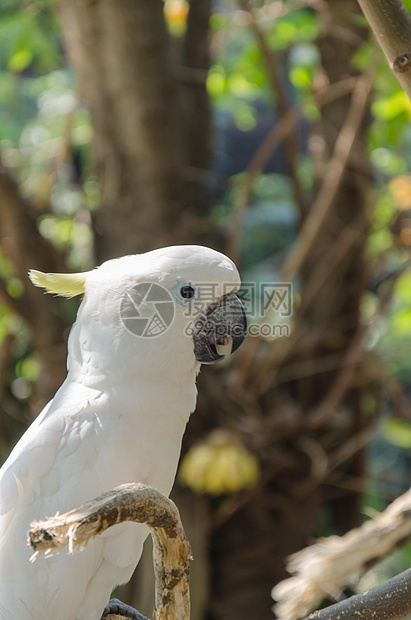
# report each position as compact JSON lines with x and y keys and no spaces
{"x":144,"y":326}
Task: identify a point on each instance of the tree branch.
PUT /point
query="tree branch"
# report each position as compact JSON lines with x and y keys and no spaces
{"x":282,"y":104}
{"x":391,"y":24}
{"x":332,"y":178}
{"x":129,"y":502}
{"x":19,"y":235}
{"x":265,"y":151}
{"x":323,"y":569}
{"x":22,"y":243}
{"x":389,"y":601}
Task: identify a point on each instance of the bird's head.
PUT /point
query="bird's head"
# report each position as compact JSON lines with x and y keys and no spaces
{"x":179,"y":302}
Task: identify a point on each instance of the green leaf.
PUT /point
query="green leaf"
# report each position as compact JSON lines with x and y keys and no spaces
{"x":297,"y":26}
{"x":28,"y":368}
{"x":216,"y":82}
{"x":240,"y":86}
{"x":300,"y":77}
{"x":218,"y":21}
{"x":397,"y":432}
{"x":15,"y":287}
{"x":20,"y":60}
{"x":390,"y":107}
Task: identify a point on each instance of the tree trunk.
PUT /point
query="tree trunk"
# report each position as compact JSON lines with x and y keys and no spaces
{"x":124,"y":59}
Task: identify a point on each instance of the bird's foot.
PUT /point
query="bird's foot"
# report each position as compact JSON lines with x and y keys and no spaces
{"x":116,"y":607}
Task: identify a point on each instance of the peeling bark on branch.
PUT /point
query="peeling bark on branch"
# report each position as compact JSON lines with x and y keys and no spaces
{"x":389,"y":601}
{"x":129,"y":502}
{"x":325,"y":568}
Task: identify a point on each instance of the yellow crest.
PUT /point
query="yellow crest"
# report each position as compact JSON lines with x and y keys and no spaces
{"x":64,"y":284}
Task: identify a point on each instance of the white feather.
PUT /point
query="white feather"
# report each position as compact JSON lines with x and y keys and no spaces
{"x":119,"y":417}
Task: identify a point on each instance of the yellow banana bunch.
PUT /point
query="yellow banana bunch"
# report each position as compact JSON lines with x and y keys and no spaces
{"x":219,"y":465}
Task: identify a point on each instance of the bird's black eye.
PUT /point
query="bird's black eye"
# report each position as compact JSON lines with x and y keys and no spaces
{"x":187,"y":291}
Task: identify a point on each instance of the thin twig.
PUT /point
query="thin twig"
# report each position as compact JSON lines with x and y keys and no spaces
{"x":332,"y":258}
{"x":348,"y":237}
{"x":349,"y":362}
{"x":265,"y":151}
{"x":277,"y":134}
{"x":282,"y":105}
{"x":333,"y":178}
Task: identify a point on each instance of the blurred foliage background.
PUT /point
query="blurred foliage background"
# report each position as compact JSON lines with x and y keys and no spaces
{"x":259,"y":88}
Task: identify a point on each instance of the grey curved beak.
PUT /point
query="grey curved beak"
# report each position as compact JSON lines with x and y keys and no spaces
{"x":219,"y":322}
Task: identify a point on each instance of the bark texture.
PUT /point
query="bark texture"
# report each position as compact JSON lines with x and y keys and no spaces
{"x":332,"y":563}
{"x":391,"y":24}
{"x":136,"y":503}
{"x":388,"y":601}
{"x":123,"y":57}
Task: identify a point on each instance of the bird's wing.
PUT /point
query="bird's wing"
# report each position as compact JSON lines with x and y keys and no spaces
{"x":81,"y":445}
{"x":54,"y":467}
